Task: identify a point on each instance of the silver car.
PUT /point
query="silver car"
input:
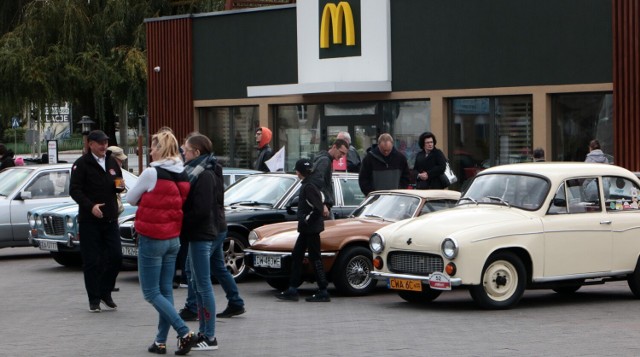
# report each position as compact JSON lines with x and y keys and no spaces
{"x":23,"y":188}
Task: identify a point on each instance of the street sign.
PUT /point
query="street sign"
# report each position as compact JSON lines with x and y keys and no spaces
{"x":15,"y":123}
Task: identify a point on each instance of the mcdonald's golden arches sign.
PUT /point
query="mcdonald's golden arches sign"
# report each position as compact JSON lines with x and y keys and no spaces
{"x":339,"y":28}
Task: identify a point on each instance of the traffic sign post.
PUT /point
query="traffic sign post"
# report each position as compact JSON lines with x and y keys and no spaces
{"x":15,"y":123}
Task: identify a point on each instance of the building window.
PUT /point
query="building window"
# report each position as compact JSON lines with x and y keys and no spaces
{"x":232,"y":132}
{"x":579,"y":118}
{"x":297,"y":128}
{"x":408,"y":120}
{"x":489,"y":131}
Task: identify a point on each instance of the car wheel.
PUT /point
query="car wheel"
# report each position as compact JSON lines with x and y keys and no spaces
{"x":233,"y":249}
{"x":72,"y":260}
{"x":420,"y":297}
{"x":351,"y":272}
{"x":279,"y":284}
{"x":634,"y":281}
{"x":503,"y":282}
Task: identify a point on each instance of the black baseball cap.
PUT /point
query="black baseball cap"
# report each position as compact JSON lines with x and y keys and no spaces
{"x":304,"y":166}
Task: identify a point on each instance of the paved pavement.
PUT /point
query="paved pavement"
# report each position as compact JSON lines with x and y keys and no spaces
{"x":43,"y":312}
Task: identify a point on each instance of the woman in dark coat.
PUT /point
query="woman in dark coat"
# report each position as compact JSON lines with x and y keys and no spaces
{"x":430,"y":163}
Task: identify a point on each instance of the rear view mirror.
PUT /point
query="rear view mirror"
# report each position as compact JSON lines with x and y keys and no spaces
{"x":293,"y":203}
{"x":560,"y":202}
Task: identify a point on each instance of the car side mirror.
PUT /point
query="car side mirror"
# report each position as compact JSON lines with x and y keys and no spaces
{"x":24,"y":195}
{"x":560,"y":202}
{"x":293,"y":203}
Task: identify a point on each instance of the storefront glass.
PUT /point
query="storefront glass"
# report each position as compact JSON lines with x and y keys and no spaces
{"x":305,"y":129}
{"x":232,"y":132}
{"x":489,"y":131}
{"x":579,"y":118}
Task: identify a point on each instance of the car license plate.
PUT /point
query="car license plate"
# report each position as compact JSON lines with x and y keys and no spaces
{"x":50,"y":246}
{"x":439,"y":281}
{"x":267,"y":261}
{"x":130,"y":251}
{"x":405,"y":284}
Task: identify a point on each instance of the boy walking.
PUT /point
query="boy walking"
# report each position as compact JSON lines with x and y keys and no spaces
{"x":310,"y":224}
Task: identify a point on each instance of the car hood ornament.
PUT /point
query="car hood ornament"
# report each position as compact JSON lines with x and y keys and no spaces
{"x":409,"y":241}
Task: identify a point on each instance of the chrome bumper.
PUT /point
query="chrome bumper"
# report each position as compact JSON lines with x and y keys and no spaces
{"x":424,"y":279}
{"x":285,"y":254}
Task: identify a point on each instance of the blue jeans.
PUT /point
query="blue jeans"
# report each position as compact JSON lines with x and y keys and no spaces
{"x":199,"y":255}
{"x":221,"y":273}
{"x":156,"y":262}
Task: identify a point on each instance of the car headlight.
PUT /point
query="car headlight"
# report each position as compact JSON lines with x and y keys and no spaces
{"x":69,"y":222}
{"x":38,"y":220}
{"x":253,"y":237}
{"x":376,"y":243}
{"x":449,"y":248}
{"x":32,"y":220}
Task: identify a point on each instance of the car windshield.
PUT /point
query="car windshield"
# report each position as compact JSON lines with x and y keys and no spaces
{"x":517,"y":190}
{"x":258,"y":190}
{"x":388,"y":207}
{"x":12,"y":178}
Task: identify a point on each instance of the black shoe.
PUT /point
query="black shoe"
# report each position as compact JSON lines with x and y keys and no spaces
{"x":158,"y":348}
{"x":290,"y":294}
{"x":185,"y":344}
{"x":94,"y":307}
{"x":188,"y":315}
{"x":319,"y":296}
{"x":231,"y":310}
{"x":115,"y":289}
{"x":205,"y":344}
{"x":108,"y":302}
{"x":176,"y":284}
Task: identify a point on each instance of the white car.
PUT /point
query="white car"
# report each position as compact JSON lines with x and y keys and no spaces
{"x":536,"y":225}
{"x":23,"y":188}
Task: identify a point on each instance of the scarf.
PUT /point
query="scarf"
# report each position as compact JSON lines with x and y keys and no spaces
{"x":197,"y":166}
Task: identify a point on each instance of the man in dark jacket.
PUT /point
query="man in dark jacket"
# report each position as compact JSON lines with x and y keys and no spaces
{"x":96,"y":178}
{"x":263,"y":137}
{"x":383,"y":168}
{"x":310,"y":224}
{"x":6,"y":157}
{"x":321,"y":173}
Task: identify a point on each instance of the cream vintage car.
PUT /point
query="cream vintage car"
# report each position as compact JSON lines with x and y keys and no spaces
{"x":524,"y":226}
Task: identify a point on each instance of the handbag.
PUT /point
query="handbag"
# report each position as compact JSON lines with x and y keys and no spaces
{"x":448,"y":178}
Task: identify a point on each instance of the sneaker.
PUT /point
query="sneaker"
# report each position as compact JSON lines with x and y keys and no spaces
{"x":158,"y":348}
{"x":188,"y":315}
{"x":205,"y":344}
{"x":94,"y":307}
{"x":290,"y":294}
{"x":186,"y":343}
{"x":108,"y":302}
{"x":319,"y":296}
{"x":176,"y":284}
{"x":231,"y":310}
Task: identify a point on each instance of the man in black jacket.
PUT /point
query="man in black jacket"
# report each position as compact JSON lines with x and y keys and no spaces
{"x":321,"y":173}
{"x":96,"y":177}
{"x":383,"y":168}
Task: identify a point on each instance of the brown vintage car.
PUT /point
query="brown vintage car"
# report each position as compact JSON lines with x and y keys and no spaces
{"x":345,"y":250}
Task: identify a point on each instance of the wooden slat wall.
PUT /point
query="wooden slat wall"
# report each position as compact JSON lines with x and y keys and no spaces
{"x":170,"y":91}
{"x":626,"y":83}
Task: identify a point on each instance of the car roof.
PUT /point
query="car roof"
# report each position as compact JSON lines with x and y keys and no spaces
{"x":558,"y":171}
{"x":238,"y":170}
{"x":426,"y":194}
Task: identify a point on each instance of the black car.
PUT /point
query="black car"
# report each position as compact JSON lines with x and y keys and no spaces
{"x":261,"y":199}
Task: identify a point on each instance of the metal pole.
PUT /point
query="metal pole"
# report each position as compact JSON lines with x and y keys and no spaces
{"x":140,"y":153}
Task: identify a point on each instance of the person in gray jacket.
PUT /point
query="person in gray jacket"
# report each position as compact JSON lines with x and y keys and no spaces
{"x":595,"y":153}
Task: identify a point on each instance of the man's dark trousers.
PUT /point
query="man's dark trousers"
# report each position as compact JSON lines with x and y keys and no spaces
{"x":101,"y":257}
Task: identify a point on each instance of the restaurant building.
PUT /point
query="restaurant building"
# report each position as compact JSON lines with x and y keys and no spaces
{"x":492,"y":79}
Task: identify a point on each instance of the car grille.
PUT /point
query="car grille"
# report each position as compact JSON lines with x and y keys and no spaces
{"x":53,"y":225}
{"x":414,"y":263}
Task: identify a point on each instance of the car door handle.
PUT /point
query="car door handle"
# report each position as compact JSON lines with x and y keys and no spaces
{"x":605,"y":222}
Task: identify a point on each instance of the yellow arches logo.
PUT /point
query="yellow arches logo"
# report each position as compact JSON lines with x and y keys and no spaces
{"x":337,"y":16}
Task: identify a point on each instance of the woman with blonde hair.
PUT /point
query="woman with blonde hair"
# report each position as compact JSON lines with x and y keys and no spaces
{"x":160,"y":193}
